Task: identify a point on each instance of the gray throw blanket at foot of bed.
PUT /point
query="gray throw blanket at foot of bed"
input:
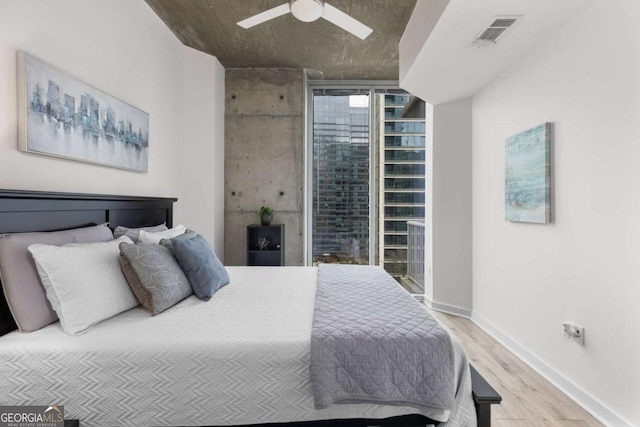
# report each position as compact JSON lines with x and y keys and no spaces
{"x":372,"y":342}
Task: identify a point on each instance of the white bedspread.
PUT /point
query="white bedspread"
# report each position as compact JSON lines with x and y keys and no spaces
{"x":241,"y":358}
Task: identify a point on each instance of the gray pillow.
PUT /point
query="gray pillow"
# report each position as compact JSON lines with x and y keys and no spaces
{"x":154,"y":276}
{"x":134,"y":233}
{"x":199,"y":263}
{"x":167,"y":243}
{"x":24,"y":293}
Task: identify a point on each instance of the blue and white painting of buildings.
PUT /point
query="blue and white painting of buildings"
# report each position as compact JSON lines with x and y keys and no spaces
{"x":527,"y":175}
{"x":65,"y":117}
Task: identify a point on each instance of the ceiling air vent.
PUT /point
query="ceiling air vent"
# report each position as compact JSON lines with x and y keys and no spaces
{"x":495,"y":31}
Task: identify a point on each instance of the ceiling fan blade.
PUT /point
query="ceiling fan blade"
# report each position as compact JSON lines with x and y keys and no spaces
{"x":346,"y":22}
{"x":265,"y":16}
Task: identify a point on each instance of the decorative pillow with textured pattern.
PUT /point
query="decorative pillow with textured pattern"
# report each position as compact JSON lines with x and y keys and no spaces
{"x":134,"y":233}
{"x":154,"y":276}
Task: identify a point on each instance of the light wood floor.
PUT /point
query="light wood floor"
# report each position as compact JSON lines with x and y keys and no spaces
{"x":527,"y":398}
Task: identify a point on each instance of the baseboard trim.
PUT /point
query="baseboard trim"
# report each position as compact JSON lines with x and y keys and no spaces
{"x":446,"y":308}
{"x":604,"y":414}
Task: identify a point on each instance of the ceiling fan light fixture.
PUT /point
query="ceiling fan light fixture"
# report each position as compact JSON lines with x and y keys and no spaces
{"x":307,"y":10}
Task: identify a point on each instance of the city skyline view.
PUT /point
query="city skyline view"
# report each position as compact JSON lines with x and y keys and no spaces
{"x":344,"y":148}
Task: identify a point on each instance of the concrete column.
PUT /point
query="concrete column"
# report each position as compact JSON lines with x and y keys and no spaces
{"x":264,"y":156}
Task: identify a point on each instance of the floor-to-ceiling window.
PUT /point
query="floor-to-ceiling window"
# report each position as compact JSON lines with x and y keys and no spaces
{"x":341,"y":176}
{"x":366,"y":176}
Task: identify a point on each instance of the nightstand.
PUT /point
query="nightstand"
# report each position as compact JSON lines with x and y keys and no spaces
{"x":271,"y":237}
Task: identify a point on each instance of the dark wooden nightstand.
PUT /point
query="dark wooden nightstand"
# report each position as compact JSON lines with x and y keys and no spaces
{"x":273,"y":252}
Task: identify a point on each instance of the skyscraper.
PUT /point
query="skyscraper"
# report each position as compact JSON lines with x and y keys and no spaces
{"x":400,"y":126}
{"x":341,"y":179}
{"x":344,"y":147}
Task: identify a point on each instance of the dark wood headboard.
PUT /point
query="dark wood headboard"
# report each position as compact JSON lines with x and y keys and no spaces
{"x":24,"y":211}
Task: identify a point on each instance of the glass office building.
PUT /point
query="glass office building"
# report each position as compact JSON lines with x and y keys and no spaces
{"x":367,"y":183}
{"x":400,"y":126}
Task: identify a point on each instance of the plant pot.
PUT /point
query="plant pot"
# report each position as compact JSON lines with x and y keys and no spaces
{"x":265,"y":218}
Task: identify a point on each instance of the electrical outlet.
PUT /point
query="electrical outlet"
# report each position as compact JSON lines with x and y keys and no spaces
{"x":574,"y":332}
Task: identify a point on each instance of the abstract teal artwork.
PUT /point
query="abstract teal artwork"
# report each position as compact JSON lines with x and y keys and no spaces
{"x":528,"y":175}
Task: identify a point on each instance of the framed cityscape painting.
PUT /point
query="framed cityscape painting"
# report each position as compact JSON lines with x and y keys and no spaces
{"x":62,"y":116}
{"x":528,"y":175}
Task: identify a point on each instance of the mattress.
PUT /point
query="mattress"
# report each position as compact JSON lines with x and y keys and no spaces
{"x":241,"y":358}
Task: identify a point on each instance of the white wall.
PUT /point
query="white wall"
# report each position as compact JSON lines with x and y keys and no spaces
{"x":119,"y":47}
{"x":203,"y":192}
{"x":423,"y":20}
{"x":122,"y":48}
{"x":451,"y":208}
{"x":218,"y":164}
{"x":585,"y":267}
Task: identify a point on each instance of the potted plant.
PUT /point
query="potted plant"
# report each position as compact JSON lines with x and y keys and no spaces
{"x":266,"y":215}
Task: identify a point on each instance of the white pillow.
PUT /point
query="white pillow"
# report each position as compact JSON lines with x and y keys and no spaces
{"x":148,"y":237}
{"x":83,"y":282}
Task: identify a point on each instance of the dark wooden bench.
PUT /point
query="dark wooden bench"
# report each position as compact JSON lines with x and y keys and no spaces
{"x":483,"y":397}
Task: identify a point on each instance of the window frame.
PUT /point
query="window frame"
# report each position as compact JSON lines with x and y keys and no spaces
{"x":371,"y":86}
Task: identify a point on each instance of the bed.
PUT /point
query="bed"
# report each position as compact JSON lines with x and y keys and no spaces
{"x":133,"y":369}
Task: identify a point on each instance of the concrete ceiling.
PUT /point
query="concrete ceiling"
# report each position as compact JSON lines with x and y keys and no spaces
{"x":441,"y":65}
{"x":284,"y":42}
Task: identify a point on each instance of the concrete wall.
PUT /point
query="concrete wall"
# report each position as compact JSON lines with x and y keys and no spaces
{"x":264,"y":148}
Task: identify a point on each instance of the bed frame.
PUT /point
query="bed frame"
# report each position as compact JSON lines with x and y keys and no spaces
{"x":24,"y":211}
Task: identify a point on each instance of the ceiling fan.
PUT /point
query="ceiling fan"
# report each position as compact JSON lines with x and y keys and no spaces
{"x":309,"y":11}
